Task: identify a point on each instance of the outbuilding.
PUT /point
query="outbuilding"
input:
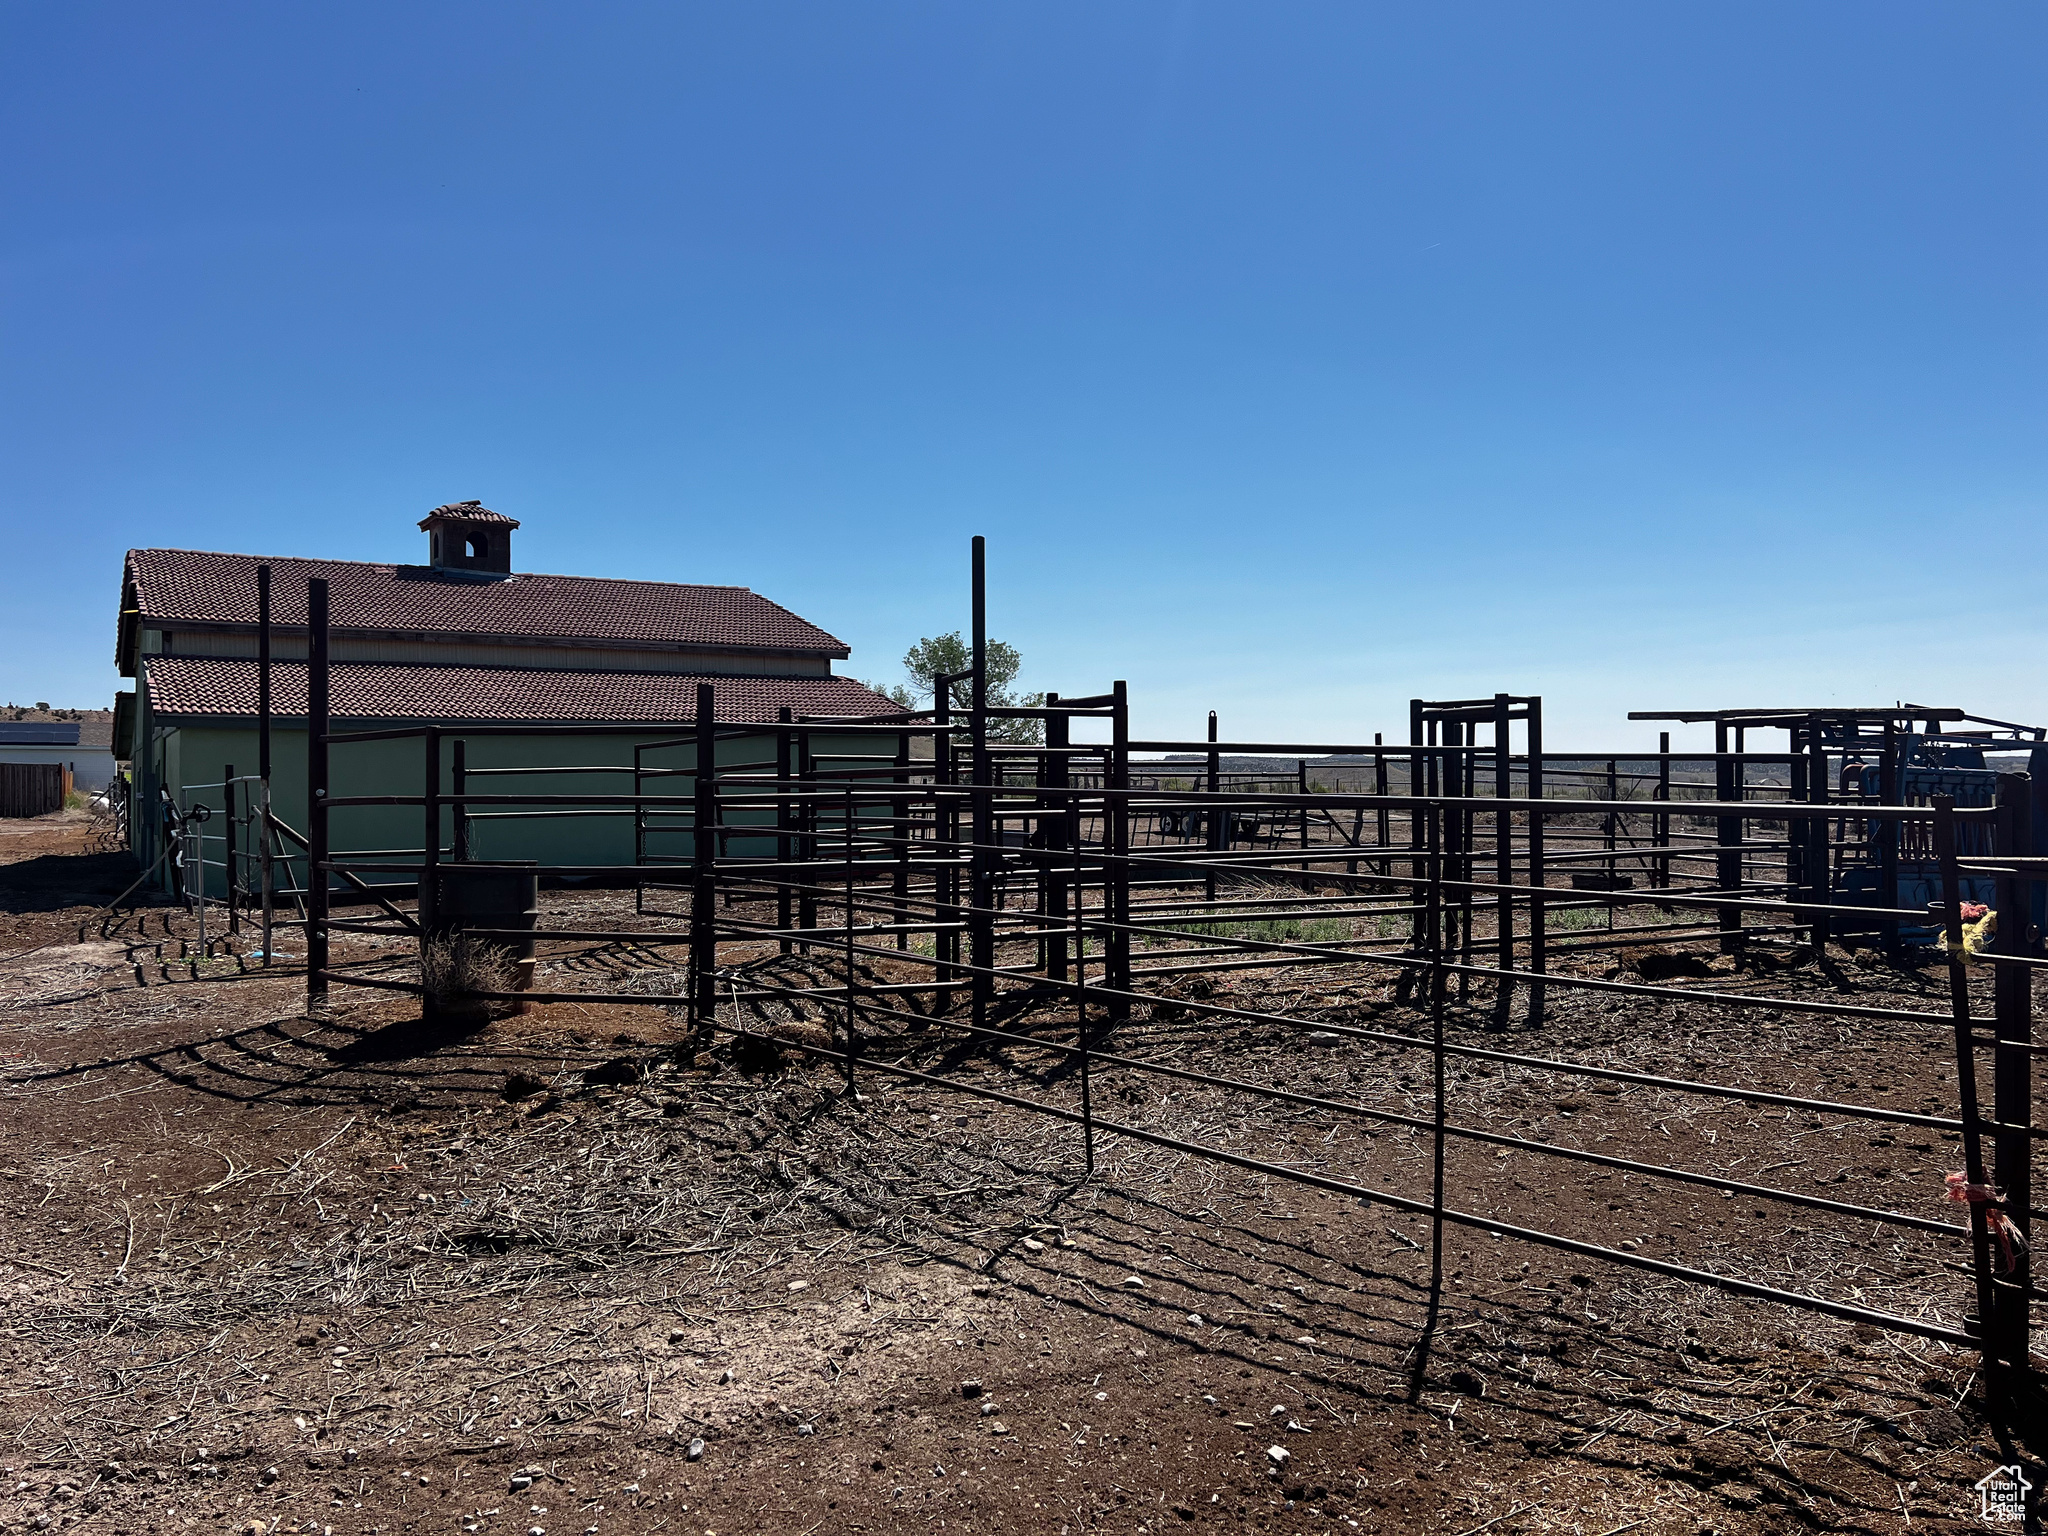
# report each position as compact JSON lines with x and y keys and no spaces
{"x":81,"y":750}
{"x":461,"y":638}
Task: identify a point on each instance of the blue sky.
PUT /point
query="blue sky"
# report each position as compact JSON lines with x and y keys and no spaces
{"x":1295,"y":359}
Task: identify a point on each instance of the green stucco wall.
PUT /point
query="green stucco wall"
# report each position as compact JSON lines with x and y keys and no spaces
{"x":195,"y":755}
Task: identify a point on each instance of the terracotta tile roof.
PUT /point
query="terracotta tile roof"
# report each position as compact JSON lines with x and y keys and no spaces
{"x":468,"y":512}
{"x":171,"y":585}
{"x":215,"y":687}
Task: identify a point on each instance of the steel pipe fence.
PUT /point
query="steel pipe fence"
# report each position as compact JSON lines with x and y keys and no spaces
{"x":1058,"y":890}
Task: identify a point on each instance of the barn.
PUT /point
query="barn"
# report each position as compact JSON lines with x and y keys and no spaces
{"x":460,"y":638}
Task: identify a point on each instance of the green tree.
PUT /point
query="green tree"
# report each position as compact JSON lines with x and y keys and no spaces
{"x":936,"y":655}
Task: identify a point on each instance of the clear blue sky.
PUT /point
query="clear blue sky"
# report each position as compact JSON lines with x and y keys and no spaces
{"x":1294,"y":358}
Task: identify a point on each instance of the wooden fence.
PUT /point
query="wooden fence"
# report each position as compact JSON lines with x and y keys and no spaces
{"x":33,"y":789}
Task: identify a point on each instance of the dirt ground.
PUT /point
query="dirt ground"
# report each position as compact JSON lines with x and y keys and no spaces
{"x":566,"y":1272}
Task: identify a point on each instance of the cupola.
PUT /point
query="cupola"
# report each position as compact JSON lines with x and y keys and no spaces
{"x":468,"y":536}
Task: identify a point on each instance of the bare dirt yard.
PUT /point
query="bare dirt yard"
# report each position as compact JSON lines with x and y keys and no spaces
{"x":566,"y":1272}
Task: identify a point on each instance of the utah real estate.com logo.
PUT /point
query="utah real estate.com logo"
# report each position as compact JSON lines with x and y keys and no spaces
{"x":2002,"y":1495}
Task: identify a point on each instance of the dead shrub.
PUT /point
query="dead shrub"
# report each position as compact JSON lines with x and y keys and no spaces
{"x":454,"y":970}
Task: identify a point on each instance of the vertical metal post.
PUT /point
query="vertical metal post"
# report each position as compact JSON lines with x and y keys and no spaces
{"x":1383,"y":818}
{"x":1728,"y":836}
{"x":1457,"y":834}
{"x":1539,"y":870}
{"x":981,"y":887}
{"x":263,"y":672}
{"x":1966,"y":1055}
{"x":265,"y":869}
{"x":229,"y":847}
{"x":1081,"y":989}
{"x":1886,"y":835}
{"x":1503,"y":854}
{"x":851,"y":1044}
{"x":703,"y":865}
{"x":1419,"y":765}
{"x":264,"y":833}
{"x":428,"y":902}
{"x":1356,"y":836}
{"x":1218,"y":823}
{"x":1817,"y":840}
{"x":946,"y":813}
{"x":1301,"y":789}
{"x":1437,"y":990}
{"x":317,"y":876}
{"x":783,"y":821}
{"x":430,"y":833}
{"x":1660,"y":824}
{"x":1040,"y":828}
{"x":807,"y":841}
{"x":458,"y":812}
{"x":899,"y":831}
{"x":1613,"y":829}
{"x":195,"y":843}
{"x":1060,"y":834}
{"x":2012,"y":1067}
{"x":1117,"y":834}
{"x":1798,"y":834}
{"x":640,"y":859}
{"x":1742,"y":832}
{"x":1467,"y":737}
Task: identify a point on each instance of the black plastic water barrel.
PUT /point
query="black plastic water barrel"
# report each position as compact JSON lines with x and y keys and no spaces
{"x":497,"y":893}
